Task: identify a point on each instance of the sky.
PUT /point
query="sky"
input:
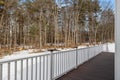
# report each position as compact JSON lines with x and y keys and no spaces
{"x":104,"y":2}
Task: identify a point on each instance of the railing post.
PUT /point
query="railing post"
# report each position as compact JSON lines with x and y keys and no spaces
{"x":51,"y":65}
{"x":76,"y":57}
{"x":107,"y":47}
{"x":103,"y":47}
{"x":0,"y":71}
{"x":88,"y":51}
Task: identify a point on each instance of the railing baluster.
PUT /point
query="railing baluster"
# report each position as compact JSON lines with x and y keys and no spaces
{"x":21,"y":69}
{"x":26,"y":69}
{"x":58,"y":62}
{"x":64,"y":62}
{"x":83,"y":55}
{"x":88,"y":53}
{"x":44,"y":67}
{"x":67,"y":61}
{"x":47,"y":67}
{"x":36,"y":69}
{"x":40,"y":68}
{"x":61,"y":61}
{"x":58,"y":65}
{"x":0,"y":71}
{"x":76,"y":57}
{"x":15,"y":70}
{"x":55,"y":63}
{"x":8,"y":70}
{"x":51,"y":65}
{"x":31,"y":68}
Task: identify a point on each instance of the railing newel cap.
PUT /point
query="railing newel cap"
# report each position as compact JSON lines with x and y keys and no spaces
{"x":52,"y":49}
{"x":88,"y":45}
{"x":75,"y":47}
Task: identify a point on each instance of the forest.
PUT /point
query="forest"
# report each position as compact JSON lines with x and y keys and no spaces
{"x":44,"y":24}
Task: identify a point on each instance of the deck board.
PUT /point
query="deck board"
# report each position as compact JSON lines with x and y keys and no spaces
{"x":99,"y":68}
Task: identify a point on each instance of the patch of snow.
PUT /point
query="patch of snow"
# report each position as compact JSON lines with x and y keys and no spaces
{"x":111,"y":47}
{"x":18,"y":54}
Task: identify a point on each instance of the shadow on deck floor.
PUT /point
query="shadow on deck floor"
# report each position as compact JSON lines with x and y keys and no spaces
{"x":99,"y":68}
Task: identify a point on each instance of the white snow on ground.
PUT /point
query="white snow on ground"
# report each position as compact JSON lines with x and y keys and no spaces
{"x":22,"y":54}
{"x":18,"y":54}
{"x":111,"y":47}
{"x":30,"y":52}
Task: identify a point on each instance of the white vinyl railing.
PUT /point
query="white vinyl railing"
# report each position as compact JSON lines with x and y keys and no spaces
{"x":49,"y":66}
